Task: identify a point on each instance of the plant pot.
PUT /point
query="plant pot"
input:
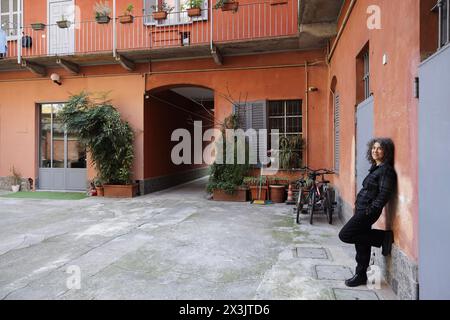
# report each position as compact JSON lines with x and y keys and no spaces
{"x":15,"y":188}
{"x":277,"y":2}
{"x":63,"y":24}
{"x":160,"y":15}
{"x":120,"y":190}
{"x":277,"y":193}
{"x":128,"y":18}
{"x":239,"y":195}
{"x":230,"y":6}
{"x":100,"y":191}
{"x":194,"y":12}
{"x":102,"y":19}
{"x":256,"y":193}
{"x":38,"y":26}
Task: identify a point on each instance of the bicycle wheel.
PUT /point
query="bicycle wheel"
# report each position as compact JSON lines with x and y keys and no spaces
{"x":311,"y":202}
{"x":300,"y":203}
{"x":330,"y":209}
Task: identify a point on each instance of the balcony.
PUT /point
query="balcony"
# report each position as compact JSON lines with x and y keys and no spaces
{"x":254,"y":27}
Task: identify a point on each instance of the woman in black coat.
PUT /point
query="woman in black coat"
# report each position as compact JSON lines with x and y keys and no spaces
{"x":378,"y":188}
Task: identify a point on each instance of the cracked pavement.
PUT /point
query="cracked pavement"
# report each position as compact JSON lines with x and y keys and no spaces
{"x":173,"y":244}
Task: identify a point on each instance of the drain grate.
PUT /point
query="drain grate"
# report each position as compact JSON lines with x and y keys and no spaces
{"x":309,"y":253}
{"x":333,"y":272}
{"x":351,"y":294}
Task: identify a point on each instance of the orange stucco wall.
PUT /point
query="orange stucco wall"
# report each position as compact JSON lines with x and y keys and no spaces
{"x":395,"y":107}
{"x":19,"y":118}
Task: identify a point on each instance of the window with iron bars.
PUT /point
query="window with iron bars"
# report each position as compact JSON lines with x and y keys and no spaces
{"x":366,"y":77}
{"x":442,"y":8}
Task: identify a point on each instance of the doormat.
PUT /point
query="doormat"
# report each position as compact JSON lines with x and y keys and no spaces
{"x":46,"y":195}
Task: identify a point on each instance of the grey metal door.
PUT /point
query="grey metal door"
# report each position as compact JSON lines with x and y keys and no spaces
{"x":434,"y":177}
{"x":62,"y":159}
{"x":364,"y":132}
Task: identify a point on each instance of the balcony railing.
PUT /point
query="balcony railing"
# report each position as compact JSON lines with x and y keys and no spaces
{"x":250,"y":21}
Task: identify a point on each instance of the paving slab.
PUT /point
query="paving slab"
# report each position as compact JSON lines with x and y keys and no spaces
{"x":173,"y":244}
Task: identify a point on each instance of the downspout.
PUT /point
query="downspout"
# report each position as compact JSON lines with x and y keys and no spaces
{"x":19,"y":33}
{"x":211,"y":27}
{"x":114,"y":29}
{"x":306,"y":115}
{"x":341,"y":30}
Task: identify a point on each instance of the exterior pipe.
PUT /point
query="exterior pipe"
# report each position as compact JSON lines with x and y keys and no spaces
{"x":211,"y":26}
{"x":341,"y":29}
{"x":306,"y":114}
{"x":114,"y":29}
{"x":19,"y":34}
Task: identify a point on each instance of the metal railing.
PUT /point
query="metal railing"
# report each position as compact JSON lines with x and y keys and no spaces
{"x":250,"y":21}
{"x":443,"y":8}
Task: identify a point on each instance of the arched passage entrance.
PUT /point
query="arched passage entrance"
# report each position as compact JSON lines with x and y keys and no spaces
{"x":169,"y":110}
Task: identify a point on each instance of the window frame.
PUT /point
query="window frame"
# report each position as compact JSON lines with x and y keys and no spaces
{"x":11,"y":13}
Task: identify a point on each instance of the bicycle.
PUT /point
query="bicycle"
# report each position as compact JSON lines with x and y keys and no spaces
{"x":315,"y":195}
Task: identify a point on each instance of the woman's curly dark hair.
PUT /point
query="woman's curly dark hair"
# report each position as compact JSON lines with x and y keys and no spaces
{"x":388,"y":147}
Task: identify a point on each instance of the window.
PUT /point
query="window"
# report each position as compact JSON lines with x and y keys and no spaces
{"x":443,"y":9}
{"x":9,"y":15}
{"x":363,"y":75}
{"x":366,"y":77}
{"x":286,"y":116}
{"x":177,"y":16}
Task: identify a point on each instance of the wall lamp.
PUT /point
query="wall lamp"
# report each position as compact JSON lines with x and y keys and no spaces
{"x":56,"y":78}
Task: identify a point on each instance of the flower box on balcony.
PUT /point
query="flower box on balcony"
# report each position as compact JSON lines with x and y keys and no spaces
{"x":38,"y":26}
{"x":194,"y":12}
{"x":160,"y":15}
{"x":63,"y":24}
{"x":127,"y":18}
{"x":102,"y":19}
{"x":230,"y":6}
{"x":277,"y":2}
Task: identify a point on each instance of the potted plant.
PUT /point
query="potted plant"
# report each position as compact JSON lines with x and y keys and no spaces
{"x":99,"y":187}
{"x":277,"y":187}
{"x":226,"y":180}
{"x":107,"y":137}
{"x":195,"y":8}
{"x":290,"y":152}
{"x":38,"y":26}
{"x":258,"y":187}
{"x":227,"y":5}
{"x":102,"y":12}
{"x":161,"y":10}
{"x":63,"y":23}
{"x":16,"y":180}
{"x":127,"y":17}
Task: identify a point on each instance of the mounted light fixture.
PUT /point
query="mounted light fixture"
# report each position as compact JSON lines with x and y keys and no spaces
{"x":312,"y":89}
{"x":56,"y":78}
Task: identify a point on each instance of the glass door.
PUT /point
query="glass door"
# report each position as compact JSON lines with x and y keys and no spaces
{"x":62,"y":159}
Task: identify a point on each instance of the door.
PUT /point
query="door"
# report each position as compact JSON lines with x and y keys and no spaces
{"x":61,"y":41}
{"x":434,"y":177}
{"x":364,"y":133}
{"x":62,"y":159}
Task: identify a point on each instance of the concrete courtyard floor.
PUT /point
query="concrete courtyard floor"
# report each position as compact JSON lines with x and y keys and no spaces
{"x":174,"y":244}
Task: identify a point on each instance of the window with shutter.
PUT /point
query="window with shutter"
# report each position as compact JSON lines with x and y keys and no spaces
{"x":337,"y":137}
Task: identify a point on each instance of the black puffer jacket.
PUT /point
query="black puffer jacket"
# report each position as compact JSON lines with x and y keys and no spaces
{"x":378,"y":188}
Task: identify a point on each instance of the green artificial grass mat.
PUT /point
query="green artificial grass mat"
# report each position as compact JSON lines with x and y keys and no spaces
{"x":46,"y":195}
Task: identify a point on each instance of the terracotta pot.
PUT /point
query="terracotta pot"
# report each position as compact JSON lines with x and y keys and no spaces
{"x":230,"y":6}
{"x":239,"y":195}
{"x":102,"y":19}
{"x":100,"y":191}
{"x":159,"y":15}
{"x":277,"y":193}
{"x":37,"y":26}
{"x":194,"y":12}
{"x":277,"y":2}
{"x":120,"y":190}
{"x":128,"y":18}
{"x":63,"y":24}
{"x":255,"y":192}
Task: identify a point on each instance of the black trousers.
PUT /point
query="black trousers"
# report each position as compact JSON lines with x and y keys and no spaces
{"x":358,"y":230}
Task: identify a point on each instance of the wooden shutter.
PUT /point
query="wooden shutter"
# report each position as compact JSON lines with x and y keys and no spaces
{"x":257,"y":119}
{"x":337,"y":136}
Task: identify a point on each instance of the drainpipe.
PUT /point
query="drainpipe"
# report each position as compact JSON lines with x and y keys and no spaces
{"x":306,"y":114}
{"x":341,"y":29}
{"x":19,"y":33}
{"x":212,"y":23}
{"x":114,"y":29}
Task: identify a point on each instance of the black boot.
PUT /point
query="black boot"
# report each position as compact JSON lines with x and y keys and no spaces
{"x":356,"y":280}
{"x":387,"y":243}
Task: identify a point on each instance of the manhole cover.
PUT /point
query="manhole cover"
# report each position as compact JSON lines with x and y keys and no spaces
{"x":309,"y":253}
{"x":333,"y":272}
{"x":350,"y":294}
